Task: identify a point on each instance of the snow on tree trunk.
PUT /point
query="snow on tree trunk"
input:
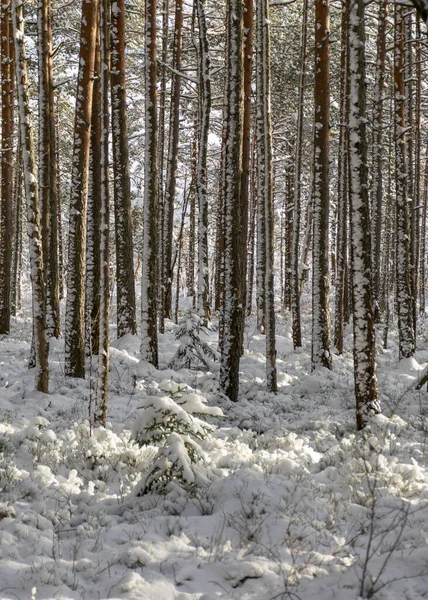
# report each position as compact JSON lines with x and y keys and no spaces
{"x":17,"y":237}
{"x":295,"y":278}
{"x":41,"y":346}
{"x":47,"y":167}
{"x":93,"y":230}
{"x":265,"y":183}
{"x":149,"y":334}
{"x":7,"y":126}
{"x":201,"y":168}
{"x":76,"y":274}
{"x":230,"y":341}
{"x":321,"y":356}
{"x":126,"y":313}
{"x":366,"y":390}
{"x":403,"y":284}
{"x":377,"y":166}
{"x":171,"y":169}
{"x":343,"y":188}
{"x":103,"y":347}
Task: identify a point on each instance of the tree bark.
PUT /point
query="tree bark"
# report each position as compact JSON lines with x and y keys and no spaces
{"x":149,"y":334}
{"x":366,"y":391}
{"x":41,"y":346}
{"x":321,"y":356}
{"x":76,"y":275}
{"x":126,"y":313}
{"x":7,"y":126}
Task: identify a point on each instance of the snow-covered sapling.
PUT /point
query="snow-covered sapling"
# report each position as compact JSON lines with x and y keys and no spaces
{"x":175,"y":423}
{"x":193,"y":352}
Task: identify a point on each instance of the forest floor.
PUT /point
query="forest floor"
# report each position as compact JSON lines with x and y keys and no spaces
{"x":298,"y":506}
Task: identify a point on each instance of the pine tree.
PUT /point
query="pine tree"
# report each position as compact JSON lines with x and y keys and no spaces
{"x":321,"y":355}
{"x":171,"y":168}
{"x":231,"y":296}
{"x":201,"y":167}
{"x":403,"y":285}
{"x":7,"y":126}
{"x":41,"y":347}
{"x":366,"y":391}
{"x":149,"y":336}
{"x":126,"y":312}
{"x":75,"y":304}
{"x":265,"y":184}
{"x":47,"y":167}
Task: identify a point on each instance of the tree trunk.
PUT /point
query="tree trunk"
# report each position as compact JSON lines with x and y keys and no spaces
{"x":41,"y":346}
{"x":6,"y":206}
{"x":265,"y":184}
{"x":149,"y":334}
{"x":295,"y":279}
{"x":343,"y":187}
{"x":366,"y":391}
{"x":201,"y":170}
{"x":104,"y":283}
{"x":126,"y":314}
{"x":93,"y":227}
{"x":47,"y":167}
{"x":231,"y":342}
{"x":76,"y":275}
{"x":171,"y":172}
{"x":321,"y":356}
{"x":403,"y":284}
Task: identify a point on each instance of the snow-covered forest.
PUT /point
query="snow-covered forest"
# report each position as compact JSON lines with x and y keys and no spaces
{"x":213,"y":300}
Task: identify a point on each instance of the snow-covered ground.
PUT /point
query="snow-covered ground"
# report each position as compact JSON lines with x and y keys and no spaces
{"x":297,"y":505}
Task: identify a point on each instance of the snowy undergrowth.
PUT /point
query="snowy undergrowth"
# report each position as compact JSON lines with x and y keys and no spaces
{"x":294,"y":504}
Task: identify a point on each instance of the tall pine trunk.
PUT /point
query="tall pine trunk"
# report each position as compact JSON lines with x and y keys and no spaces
{"x":230,"y":327}
{"x":403,"y":283}
{"x":76,"y":275}
{"x":104,"y":287}
{"x":366,"y":391}
{"x":126,"y":313}
{"x":149,"y":333}
{"x":47,"y":167}
{"x":321,"y":356}
{"x":171,"y":172}
{"x":265,"y":183}
{"x":201,"y":168}
{"x":7,"y":123}
{"x":41,"y":346}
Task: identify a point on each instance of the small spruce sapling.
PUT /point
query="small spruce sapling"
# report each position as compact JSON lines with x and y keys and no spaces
{"x":175,"y":423}
{"x":193,"y":352}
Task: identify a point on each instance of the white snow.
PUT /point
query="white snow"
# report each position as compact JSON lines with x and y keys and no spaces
{"x":287,"y":500}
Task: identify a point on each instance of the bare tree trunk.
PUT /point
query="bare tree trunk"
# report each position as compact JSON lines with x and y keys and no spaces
{"x":41,"y":345}
{"x":171,"y":173}
{"x":321,"y":356}
{"x":104,"y":284}
{"x":126,"y":313}
{"x":377,"y":187}
{"x":365,"y":381}
{"x":265,"y":184}
{"x":93,"y":222}
{"x":6,"y":206}
{"x":76,"y":275}
{"x":149,"y":333}
{"x":403,"y":283}
{"x":295,"y":279}
{"x":17,"y":237}
{"x":162,"y":71}
{"x":231,"y":341}
{"x":201,"y":171}
{"x":343,"y":187}
{"x":47,"y":167}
